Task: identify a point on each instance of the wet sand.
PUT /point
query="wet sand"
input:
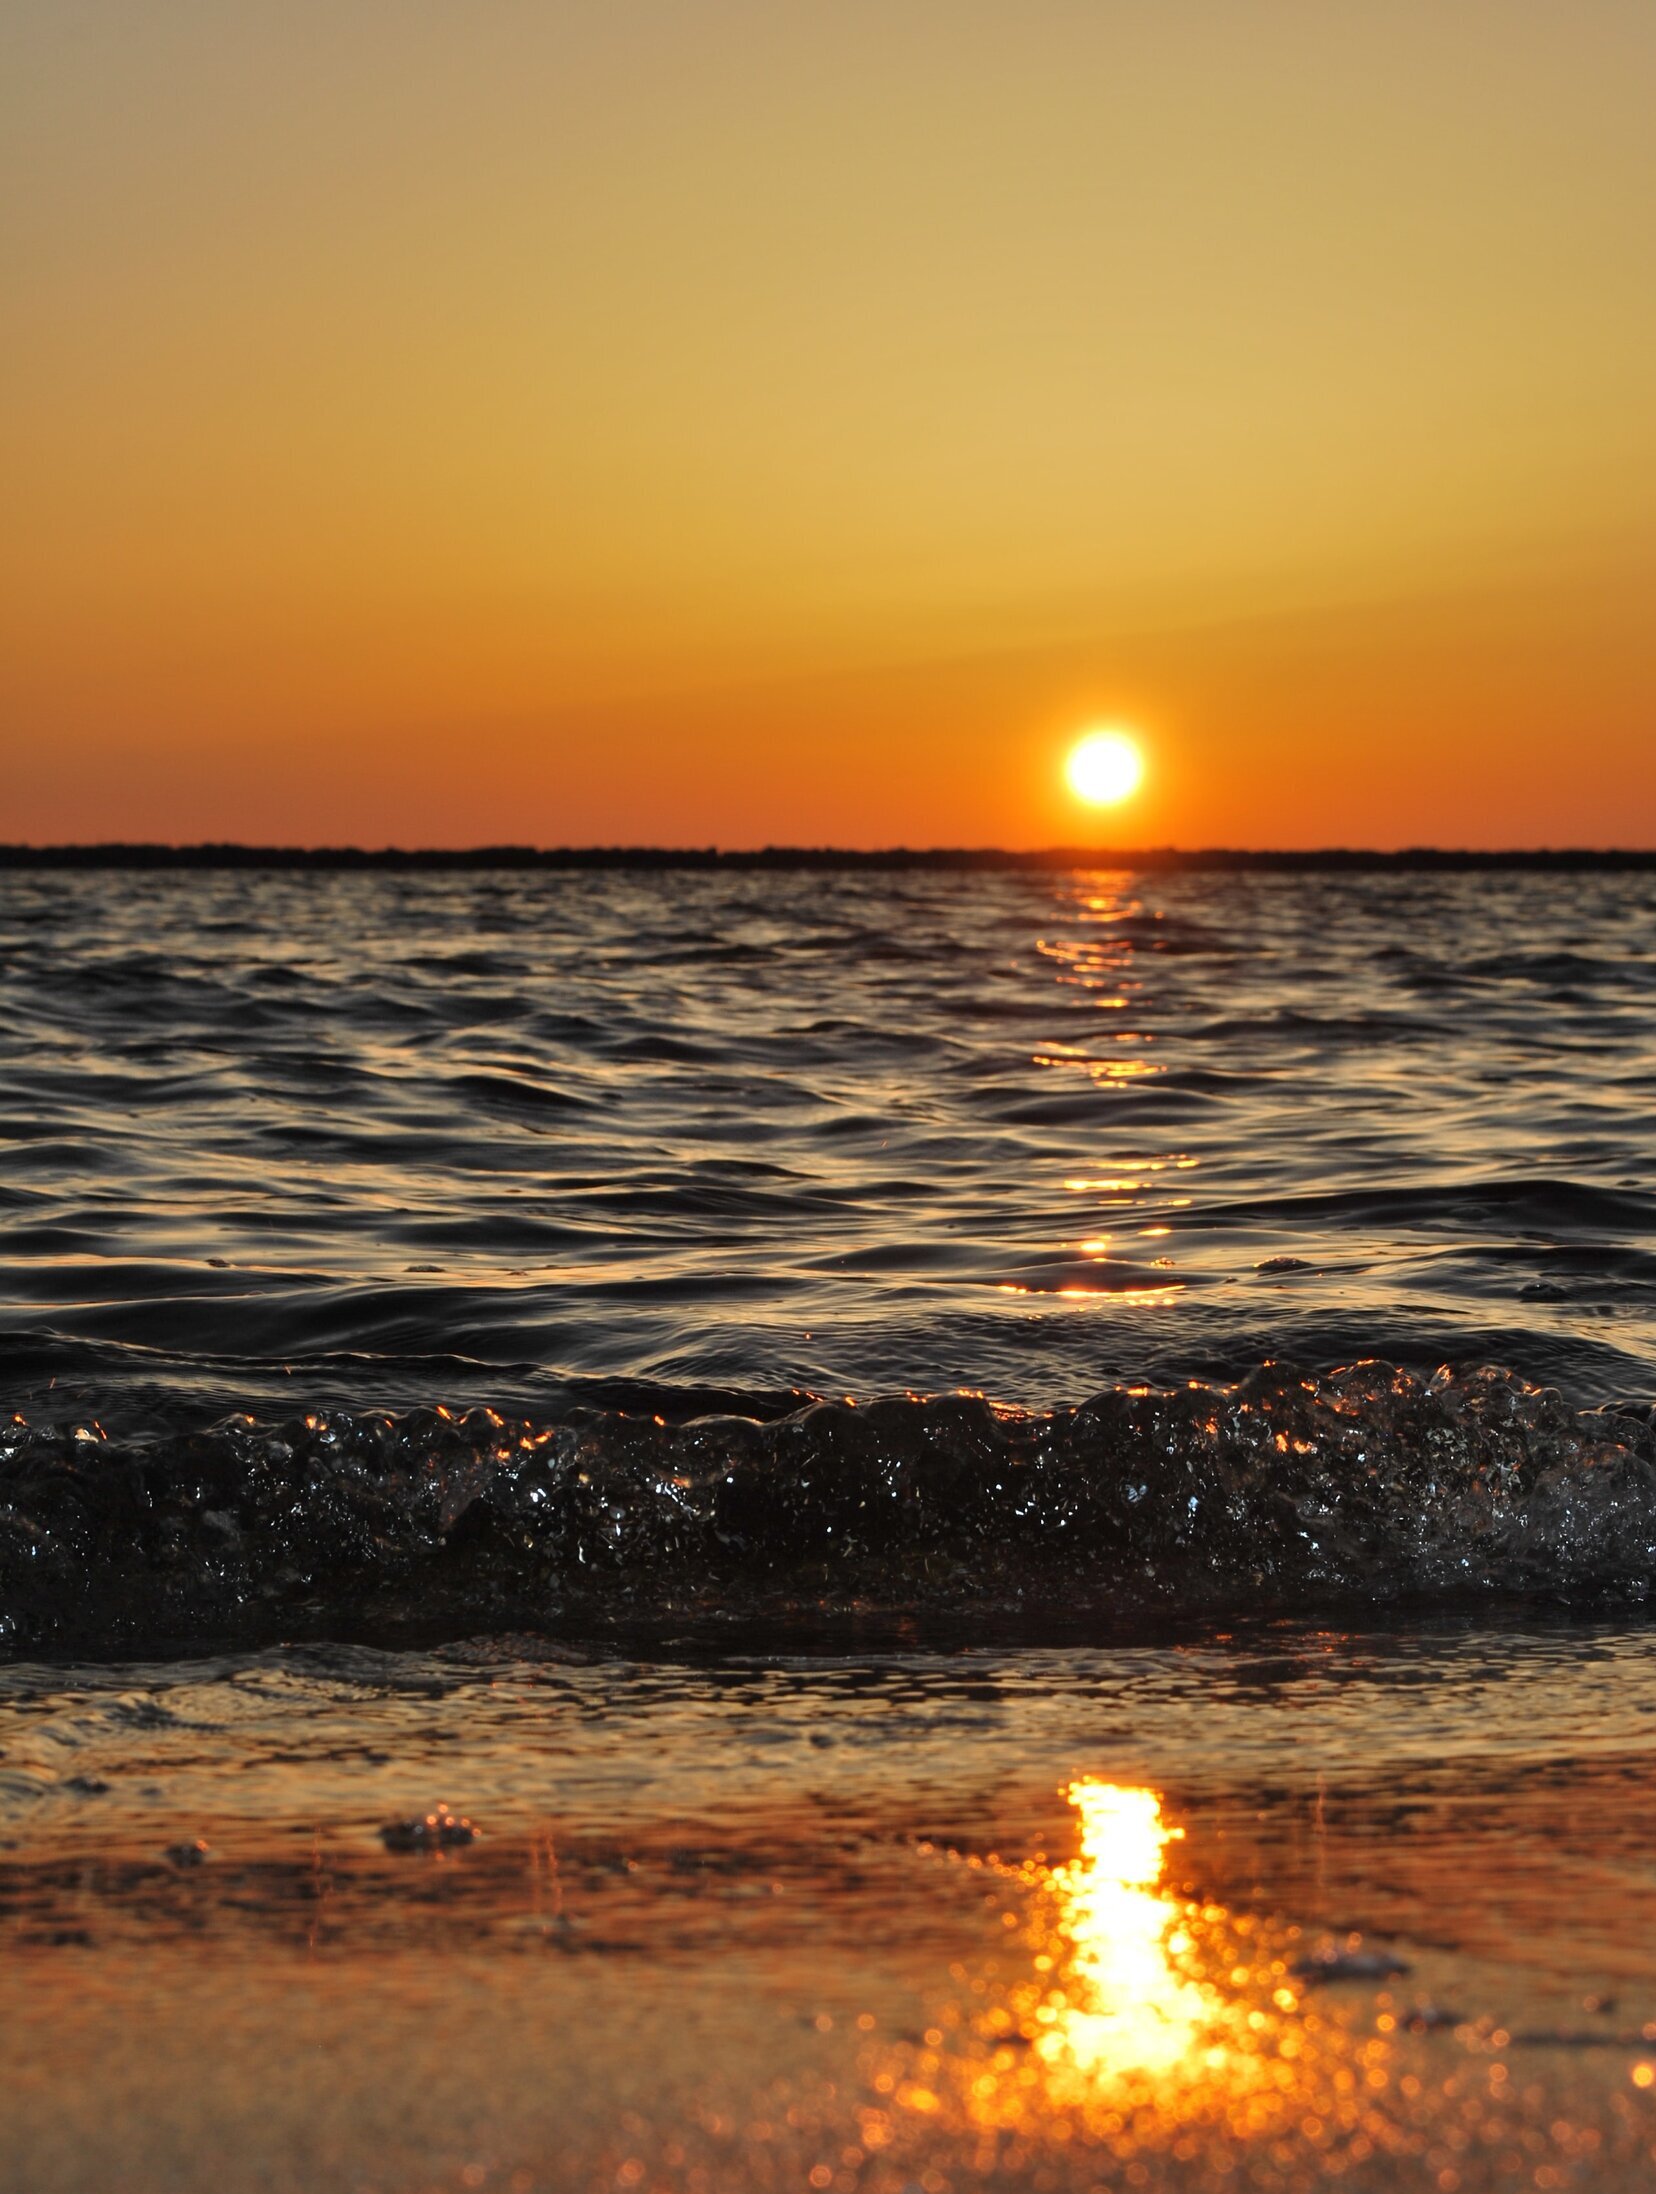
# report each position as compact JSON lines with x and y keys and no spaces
{"x":1308,"y":1909}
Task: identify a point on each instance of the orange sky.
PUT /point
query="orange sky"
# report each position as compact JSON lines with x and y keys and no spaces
{"x":729,"y":423}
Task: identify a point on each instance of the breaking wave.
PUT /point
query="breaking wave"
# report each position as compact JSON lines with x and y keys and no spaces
{"x":1287,"y":1492}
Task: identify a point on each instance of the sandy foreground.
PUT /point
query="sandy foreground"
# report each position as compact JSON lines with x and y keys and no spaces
{"x":1268,"y":1917}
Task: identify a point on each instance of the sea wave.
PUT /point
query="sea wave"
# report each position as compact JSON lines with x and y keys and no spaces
{"x":1289,"y":1491}
{"x":370,"y":1140}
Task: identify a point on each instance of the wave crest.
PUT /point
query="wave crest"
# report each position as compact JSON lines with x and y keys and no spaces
{"x":1283,"y":1493}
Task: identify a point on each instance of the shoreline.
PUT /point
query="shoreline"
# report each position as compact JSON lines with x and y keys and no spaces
{"x":1054,"y":1922}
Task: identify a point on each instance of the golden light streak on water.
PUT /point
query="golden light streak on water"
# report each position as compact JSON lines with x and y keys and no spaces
{"x":1124,"y":2005}
{"x":1146,"y":2026}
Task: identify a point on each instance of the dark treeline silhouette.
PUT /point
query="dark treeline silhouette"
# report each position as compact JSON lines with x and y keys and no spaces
{"x":1327,"y":859}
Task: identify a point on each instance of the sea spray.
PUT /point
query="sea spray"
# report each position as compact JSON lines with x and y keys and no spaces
{"x":1288,"y":1492}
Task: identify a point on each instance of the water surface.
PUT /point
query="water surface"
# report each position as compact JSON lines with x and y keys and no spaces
{"x":370,"y":1138}
{"x":1018,"y":1511}
{"x":1303,"y":1908}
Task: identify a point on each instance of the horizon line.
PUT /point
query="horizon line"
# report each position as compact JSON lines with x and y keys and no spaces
{"x":234,"y":854}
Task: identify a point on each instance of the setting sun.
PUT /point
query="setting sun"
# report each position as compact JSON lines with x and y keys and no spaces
{"x":1104,"y":768}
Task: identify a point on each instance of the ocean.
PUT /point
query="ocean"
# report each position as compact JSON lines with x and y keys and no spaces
{"x":867,"y":1530}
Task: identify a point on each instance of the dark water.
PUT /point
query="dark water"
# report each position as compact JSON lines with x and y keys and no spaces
{"x":328,"y":1153}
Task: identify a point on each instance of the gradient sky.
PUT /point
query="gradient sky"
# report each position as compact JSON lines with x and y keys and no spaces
{"x":697,"y":421}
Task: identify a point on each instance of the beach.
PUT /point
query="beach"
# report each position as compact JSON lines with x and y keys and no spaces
{"x":1276,"y":1911}
{"x":827,"y":1105}
{"x":789,"y":1531}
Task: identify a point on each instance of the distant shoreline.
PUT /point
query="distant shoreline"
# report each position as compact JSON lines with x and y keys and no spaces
{"x":1331,"y":860}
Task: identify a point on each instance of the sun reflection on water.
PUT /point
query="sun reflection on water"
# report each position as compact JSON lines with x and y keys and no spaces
{"x":1145,"y":2022}
{"x":1143,"y":2036}
{"x":1123,"y":2003}
{"x":1098,"y":960}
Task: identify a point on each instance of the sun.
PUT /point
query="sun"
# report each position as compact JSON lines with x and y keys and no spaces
{"x":1104,"y":768}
